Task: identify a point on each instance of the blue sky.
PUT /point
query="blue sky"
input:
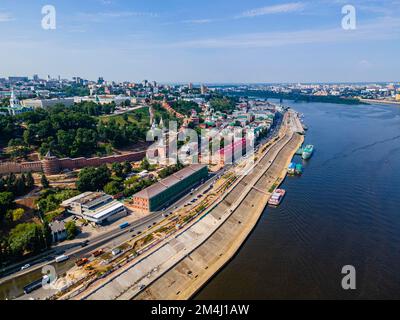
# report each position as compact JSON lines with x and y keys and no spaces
{"x":203,"y":41}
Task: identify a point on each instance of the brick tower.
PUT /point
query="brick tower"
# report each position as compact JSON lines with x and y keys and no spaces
{"x":51,"y":164}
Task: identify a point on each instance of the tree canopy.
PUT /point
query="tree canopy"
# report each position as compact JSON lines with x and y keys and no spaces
{"x":27,"y":238}
{"x":93,"y":179}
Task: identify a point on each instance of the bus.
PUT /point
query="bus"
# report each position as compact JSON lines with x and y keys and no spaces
{"x":124,"y":225}
{"x":62,"y":258}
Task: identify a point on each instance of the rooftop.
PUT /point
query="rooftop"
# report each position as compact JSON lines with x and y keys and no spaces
{"x":103,"y":211}
{"x":57,"y":226}
{"x":87,"y":199}
{"x":170,"y":181}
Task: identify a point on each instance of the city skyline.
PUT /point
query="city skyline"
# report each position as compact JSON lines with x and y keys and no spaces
{"x":178,"y":42}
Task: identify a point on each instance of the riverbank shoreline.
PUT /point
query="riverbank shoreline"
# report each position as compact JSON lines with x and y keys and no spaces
{"x":382,"y":102}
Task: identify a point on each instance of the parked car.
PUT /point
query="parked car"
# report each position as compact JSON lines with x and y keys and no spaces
{"x":116,"y":252}
{"x":27,"y":266}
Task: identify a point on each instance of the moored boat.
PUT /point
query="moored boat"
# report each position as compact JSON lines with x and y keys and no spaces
{"x":292,"y":168}
{"x":277,"y":197}
{"x":308,"y":152}
{"x":299,"y":169}
{"x":299,"y":152}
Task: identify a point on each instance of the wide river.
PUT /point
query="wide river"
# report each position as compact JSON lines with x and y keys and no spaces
{"x":344,"y":210}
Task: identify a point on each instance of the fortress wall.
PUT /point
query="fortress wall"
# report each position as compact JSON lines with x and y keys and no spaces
{"x":23,"y":167}
{"x":95,"y":162}
{"x":54,"y":165}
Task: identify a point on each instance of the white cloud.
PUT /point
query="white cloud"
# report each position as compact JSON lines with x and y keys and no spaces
{"x":101,"y":16}
{"x":365,"y":64}
{"x":5,"y":17}
{"x":382,"y":29}
{"x":198,"y":21}
{"x":280,"y":8}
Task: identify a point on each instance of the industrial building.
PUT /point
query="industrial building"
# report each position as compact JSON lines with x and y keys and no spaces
{"x":96,"y":207}
{"x":47,"y":103}
{"x":169,"y":189}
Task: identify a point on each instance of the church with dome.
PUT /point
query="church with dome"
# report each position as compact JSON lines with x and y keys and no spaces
{"x":15,"y":105}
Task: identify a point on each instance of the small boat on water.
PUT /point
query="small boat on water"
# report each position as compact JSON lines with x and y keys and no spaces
{"x":295,"y":169}
{"x":299,"y":152}
{"x":292,"y":168}
{"x":308,"y":152}
{"x":277,"y":197}
{"x":299,"y":169}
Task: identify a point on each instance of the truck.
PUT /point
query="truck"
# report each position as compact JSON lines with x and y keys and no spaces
{"x":124,"y":225}
{"x":81,"y":262}
{"x":98,"y":253}
{"x":33,"y":286}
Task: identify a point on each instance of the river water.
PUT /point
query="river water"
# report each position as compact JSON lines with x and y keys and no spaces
{"x":344,"y":210}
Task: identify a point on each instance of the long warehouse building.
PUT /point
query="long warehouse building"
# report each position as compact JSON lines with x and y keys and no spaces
{"x":169,"y":189}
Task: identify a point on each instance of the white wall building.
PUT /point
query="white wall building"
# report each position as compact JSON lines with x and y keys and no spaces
{"x":47,"y":103}
{"x":96,"y":207}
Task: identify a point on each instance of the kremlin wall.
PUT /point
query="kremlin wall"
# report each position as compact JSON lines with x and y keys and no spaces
{"x":51,"y":165}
